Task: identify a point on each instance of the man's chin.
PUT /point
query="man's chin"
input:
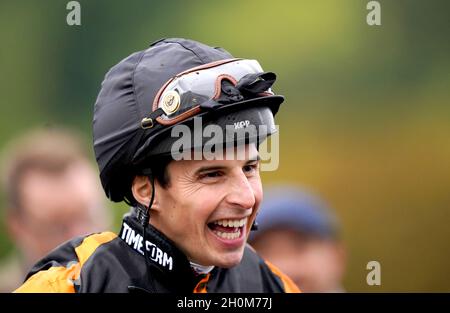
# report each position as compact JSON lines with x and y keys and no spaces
{"x":230,"y":260}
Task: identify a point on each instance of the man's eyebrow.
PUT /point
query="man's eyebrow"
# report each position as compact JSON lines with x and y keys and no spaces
{"x":209,"y":168}
{"x":222,"y":167}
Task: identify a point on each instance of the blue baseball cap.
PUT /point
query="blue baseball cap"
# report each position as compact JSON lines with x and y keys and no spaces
{"x":286,"y":206}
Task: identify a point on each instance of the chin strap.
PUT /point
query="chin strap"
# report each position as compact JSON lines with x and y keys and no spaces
{"x":255,"y":226}
{"x":143,"y":216}
{"x":143,"y":212}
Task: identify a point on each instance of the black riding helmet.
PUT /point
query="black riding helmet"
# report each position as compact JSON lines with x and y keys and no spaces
{"x":173,"y":82}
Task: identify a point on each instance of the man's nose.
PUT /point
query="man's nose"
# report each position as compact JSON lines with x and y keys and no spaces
{"x":241,"y":192}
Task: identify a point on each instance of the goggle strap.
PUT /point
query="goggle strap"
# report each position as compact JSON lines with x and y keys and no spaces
{"x":256,"y":83}
{"x":148,"y":122}
{"x":218,"y":85}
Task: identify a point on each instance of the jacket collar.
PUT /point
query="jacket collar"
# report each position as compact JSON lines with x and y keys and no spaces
{"x":167,"y":267}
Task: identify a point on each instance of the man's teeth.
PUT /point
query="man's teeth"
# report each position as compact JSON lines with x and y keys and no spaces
{"x":231,"y":223}
{"x":233,"y":235}
{"x":235,"y":231}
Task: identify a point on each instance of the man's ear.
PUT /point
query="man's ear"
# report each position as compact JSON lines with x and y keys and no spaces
{"x":142,"y":191}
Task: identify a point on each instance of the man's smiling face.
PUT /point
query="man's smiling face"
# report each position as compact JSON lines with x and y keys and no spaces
{"x":208,"y":207}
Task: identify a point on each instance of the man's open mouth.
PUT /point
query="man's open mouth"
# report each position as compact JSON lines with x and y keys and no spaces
{"x":228,"y":229}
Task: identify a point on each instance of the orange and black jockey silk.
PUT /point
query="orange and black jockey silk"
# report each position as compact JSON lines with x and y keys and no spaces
{"x":106,"y":262}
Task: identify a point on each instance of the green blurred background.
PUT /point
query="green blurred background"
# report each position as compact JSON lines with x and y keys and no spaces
{"x":366,"y":123}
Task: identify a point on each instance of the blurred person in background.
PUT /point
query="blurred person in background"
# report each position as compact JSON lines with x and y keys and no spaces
{"x":299,"y":234}
{"x":52,"y":194}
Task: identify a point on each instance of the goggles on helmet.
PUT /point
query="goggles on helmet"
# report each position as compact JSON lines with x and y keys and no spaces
{"x":207,"y":87}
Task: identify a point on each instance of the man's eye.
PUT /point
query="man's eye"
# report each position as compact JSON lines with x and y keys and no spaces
{"x":250,"y":168}
{"x":211,"y":175}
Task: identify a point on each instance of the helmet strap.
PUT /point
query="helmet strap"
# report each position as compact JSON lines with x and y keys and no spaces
{"x":143,"y":210}
{"x":144,"y":218}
